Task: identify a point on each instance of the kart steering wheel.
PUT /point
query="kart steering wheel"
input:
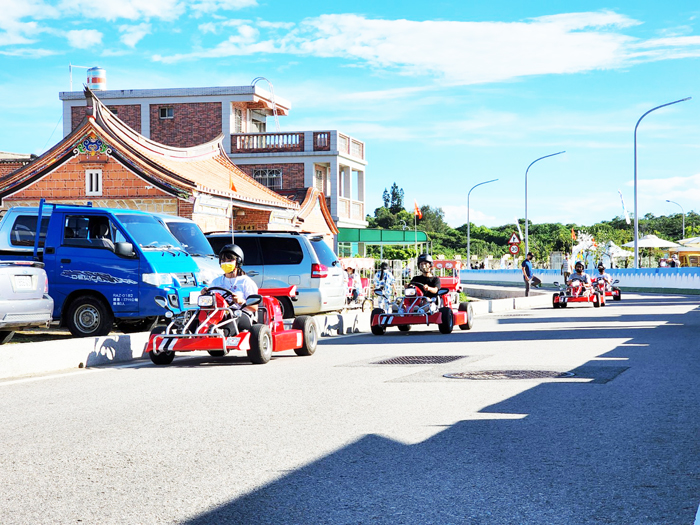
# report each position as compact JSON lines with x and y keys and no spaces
{"x":226,"y":295}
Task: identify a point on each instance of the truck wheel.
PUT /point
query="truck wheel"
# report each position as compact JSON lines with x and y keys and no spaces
{"x":466,"y":307}
{"x":309,"y":341}
{"x":404,"y":328}
{"x":139,"y":325}
{"x":448,"y":321}
{"x":161,"y":357}
{"x":260,"y":344}
{"x":286,"y":306}
{"x":89,"y":316}
{"x":376,"y":329}
{"x":5,"y":337}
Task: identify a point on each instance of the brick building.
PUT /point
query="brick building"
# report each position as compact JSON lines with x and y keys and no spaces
{"x":106,"y":162}
{"x":287,"y":162}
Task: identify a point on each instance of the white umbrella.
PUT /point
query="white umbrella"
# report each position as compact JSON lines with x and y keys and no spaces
{"x":613,"y":250}
{"x":650,"y":241}
{"x":689,"y":241}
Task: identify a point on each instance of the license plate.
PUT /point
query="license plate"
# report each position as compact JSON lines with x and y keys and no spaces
{"x":193,"y":297}
{"x":23,"y":282}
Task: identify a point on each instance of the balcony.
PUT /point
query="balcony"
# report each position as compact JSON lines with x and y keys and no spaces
{"x":297,"y":141}
{"x":348,"y":209}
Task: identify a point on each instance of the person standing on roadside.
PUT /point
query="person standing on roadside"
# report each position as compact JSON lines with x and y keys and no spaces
{"x":528,"y":275}
{"x":566,"y":268}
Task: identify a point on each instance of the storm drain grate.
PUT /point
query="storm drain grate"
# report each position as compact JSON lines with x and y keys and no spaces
{"x":419,"y":360}
{"x":510,"y":374}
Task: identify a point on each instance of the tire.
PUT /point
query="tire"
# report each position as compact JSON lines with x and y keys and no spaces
{"x":596,"y":300}
{"x":260,"y":344}
{"x":141,"y":325}
{"x":563,"y":305}
{"x":466,"y":307}
{"x":404,"y":328}
{"x":306,"y":324}
{"x":555,"y":303}
{"x":367,"y":304}
{"x":617,"y":297}
{"x":287,"y":307}
{"x":164,"y":357}
{"x":88,"y":316}
{"x":376,"y":329}
{"x":216,"y":353}
{"x":5,"y":337}
{"x":448,"y":321}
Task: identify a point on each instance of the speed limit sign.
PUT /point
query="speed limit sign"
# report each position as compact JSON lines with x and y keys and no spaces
{"x":514,"y":249}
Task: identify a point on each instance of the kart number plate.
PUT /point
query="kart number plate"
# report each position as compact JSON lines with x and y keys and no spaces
{"x":193,"y":297}
{"x":23,"y":282}
{"x":233,"y":341}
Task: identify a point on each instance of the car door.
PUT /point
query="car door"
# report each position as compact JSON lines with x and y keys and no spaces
{"x":282,"y":257}
{"x":252,"y":264}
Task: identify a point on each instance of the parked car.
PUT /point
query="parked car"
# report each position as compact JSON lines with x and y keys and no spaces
{"x":24,"y":297}
{"x":193,"y":240}
{"x":281,"y":259}
{"x":105,"y":265}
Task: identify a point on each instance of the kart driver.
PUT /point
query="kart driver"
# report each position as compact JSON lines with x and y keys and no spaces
{"x":235,"y":279}
{"x":578,"y":275}
{"x":428,"y":283}
{"x":604,"y":276}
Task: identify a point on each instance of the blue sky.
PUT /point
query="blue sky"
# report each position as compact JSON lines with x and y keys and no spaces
{"x":444,"y":94}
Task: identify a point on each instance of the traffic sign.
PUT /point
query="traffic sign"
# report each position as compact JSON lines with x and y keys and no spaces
{"x":514,"y":239}
{"x":514,"y":249}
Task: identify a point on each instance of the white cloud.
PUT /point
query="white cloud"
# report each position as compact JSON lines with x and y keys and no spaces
{"x":132,"y":34}
{"x":128,"y":9}
{"x":13,"y":30}
{"x":210,"y":6}
{"x":84,"y":38}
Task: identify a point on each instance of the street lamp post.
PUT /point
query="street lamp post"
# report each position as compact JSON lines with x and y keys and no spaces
{"x":636,"y":218}
{"x":469,"y":255}
{"x":527,"y":244}
{"x":683,"y":212}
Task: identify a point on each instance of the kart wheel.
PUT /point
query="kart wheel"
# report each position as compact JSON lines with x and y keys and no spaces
{"x":5,"y":337}
{"x":555,"y":302}
{"x":618,"y":296}
{"x":216,"y":353}
{"x":404,"y":328}
{"x":161,"y":357}
{"x":309,"y":341}
{"x":596,"y":300}
{"x":367,"y":304}
{"x":89,"y":316}
{"x":376,"y":329}
{"x":466,"y":307}
{"x":448,"y":321}
{"x":141,"y":325}
{"x":260,"y":344}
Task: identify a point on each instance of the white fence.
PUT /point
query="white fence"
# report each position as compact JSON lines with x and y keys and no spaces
{"x":672,"y":279}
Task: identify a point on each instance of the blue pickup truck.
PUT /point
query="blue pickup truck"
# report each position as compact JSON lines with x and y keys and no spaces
{"x":104,"y":266}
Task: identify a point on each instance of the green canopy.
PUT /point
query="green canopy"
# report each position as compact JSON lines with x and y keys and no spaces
{"x":378,"y":236}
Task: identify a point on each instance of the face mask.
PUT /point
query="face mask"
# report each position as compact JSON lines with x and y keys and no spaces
{"x":228,"y":267}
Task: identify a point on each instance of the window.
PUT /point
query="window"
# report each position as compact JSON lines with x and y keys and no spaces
{"x":272,"y":178}
{"x":237,"y":120}
{"x":88,"y":231}
{"x":93,"y":182}
{"x":22,"y":233}
{"x":166,"y":112}
{"x":258,"y":120}
{"x":281,"y":251}
{"x":320,"y":180}
{"x":114,"y":110}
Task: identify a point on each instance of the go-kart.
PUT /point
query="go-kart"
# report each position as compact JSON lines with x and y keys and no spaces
{"x":415,"y":308}
{"x":213,"y":327}
{"x":577,"y":293}
{"x":608,"y":289}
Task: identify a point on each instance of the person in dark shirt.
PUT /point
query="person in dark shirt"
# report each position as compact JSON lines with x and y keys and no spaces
{"x":427,"y":282}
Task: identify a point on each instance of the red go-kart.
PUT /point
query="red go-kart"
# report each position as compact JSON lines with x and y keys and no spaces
{"x":577,"y":293}
{"x":608,"y":289}
{"x":213,"y":327}
{"x":416,"y":308}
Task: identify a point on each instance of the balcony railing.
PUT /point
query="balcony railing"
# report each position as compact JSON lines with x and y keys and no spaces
{"x":242,"y":143}
{"x":348,"y":209}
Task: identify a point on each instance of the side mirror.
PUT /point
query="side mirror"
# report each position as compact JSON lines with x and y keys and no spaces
{"x":443,"y":291}
{"x":160,"y":301}
{"x":253,"y":300}
{"x":616,"y":281}
{"x":556,"y":283}
{"x":124,"y":249}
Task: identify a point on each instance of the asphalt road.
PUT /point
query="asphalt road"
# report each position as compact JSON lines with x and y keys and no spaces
{"x":335,"y":438}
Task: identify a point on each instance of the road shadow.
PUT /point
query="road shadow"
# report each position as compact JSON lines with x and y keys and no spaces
{"x":623,"y":450}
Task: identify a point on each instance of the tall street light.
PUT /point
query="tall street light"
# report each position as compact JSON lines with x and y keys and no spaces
{"x":469,"y":255}
{"x":636,"y":218}
{"x":683,"y":212}
{"x":527,"y":244}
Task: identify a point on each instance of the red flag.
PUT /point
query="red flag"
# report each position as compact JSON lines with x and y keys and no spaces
{"x":230,"y":182}
{"x":573,"y":235}
{"x":417,"y":211}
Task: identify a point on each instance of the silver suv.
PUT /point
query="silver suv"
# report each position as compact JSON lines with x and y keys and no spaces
{"x":281,"y":259}
{"x":24,"y":297}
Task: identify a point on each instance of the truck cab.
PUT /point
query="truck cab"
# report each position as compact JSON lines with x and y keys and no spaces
{"x":104,"y":265}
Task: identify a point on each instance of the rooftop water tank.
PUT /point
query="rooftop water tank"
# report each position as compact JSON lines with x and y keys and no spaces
{"x":97,"y":79}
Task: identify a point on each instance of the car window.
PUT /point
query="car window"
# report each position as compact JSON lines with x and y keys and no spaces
{"x":93,"y":231}
{"x":325,"y":254}
{"x":190,"y":236}
{"x":281,"y":250}
{"x":249,"y":245}
{"x":148,"y":232}
{"x":22,"y":233}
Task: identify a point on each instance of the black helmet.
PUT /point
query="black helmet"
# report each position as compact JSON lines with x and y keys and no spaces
{"x":578,"y":264}
{"x":384,"y":265}
{"x":425,"y":257}
{"x":235,"y":251}
{"x":601,"y":266}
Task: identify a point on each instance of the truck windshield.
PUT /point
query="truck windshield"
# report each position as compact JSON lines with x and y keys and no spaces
{"x":148,"y":232}
{"x":191,"y":237}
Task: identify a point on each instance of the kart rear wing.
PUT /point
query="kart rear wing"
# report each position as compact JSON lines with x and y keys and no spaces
{"x":280,"y":292}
